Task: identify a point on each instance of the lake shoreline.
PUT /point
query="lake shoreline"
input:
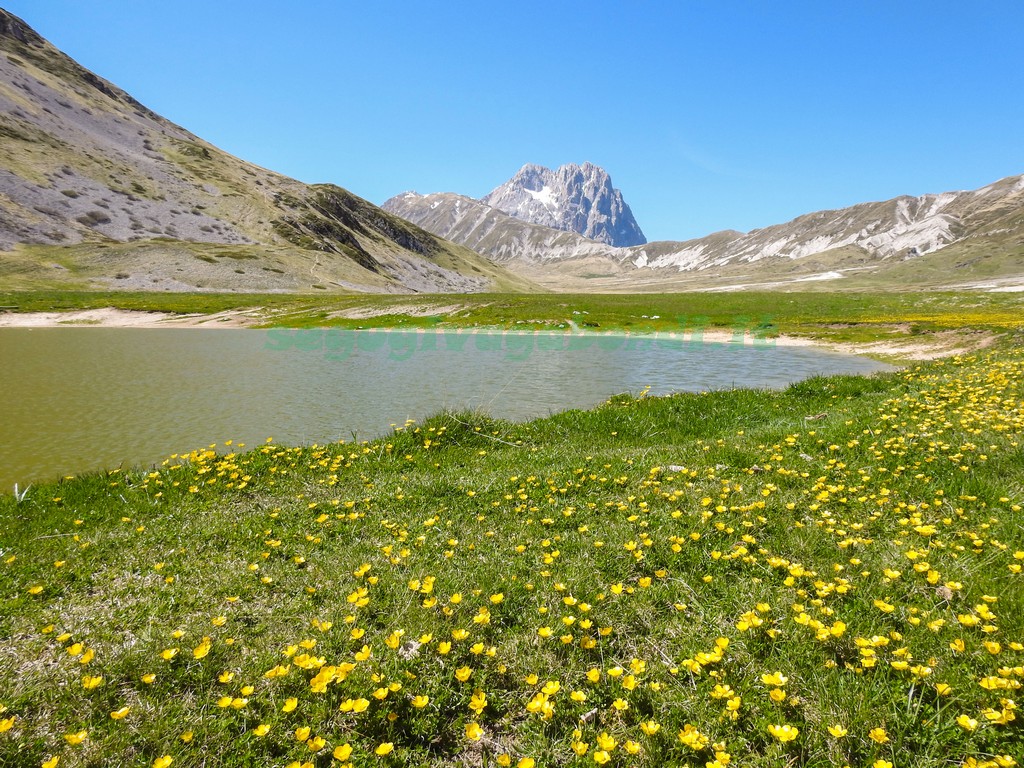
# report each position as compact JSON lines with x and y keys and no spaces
{"x":111,"y":317}
{"x":928,"y":347}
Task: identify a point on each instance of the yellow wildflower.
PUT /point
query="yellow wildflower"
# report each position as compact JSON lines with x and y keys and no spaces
{"x":784,"y":733}
{"x":343,"y":752}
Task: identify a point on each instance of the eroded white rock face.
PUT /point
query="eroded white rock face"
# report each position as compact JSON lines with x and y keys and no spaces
{"x":572,"y":198}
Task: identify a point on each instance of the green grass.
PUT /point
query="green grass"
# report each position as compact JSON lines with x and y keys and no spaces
{"x":840,"y":317}
{"x":647,"y":572}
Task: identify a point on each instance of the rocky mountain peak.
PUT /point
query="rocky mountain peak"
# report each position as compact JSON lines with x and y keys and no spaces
{"x":572,"y":198}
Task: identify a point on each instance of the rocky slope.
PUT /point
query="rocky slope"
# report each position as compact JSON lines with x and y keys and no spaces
{"x":572,"y":198}
{"x":96,"y":190}
{"x":491,"y":232}
{"x":901,"y":228}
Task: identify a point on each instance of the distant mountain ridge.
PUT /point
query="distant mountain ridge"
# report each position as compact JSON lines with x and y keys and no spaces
{"x":573,"y":198}
{"x":98,"y":191}
{"x":967,"y":227}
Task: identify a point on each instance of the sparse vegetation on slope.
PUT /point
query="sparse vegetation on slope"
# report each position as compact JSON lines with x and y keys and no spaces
{"x":118,"y":198}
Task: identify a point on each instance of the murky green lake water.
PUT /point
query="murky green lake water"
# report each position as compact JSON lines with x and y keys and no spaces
{"x":79,"y":399}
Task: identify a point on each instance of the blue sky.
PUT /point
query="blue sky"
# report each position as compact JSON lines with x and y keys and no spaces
{"x":708,"y":115}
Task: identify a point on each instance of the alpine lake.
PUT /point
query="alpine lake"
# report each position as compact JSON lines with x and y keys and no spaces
{"x":79,"y":399}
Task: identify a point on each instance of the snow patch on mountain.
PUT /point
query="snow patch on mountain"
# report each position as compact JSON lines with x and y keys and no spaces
{"x":545,"y":196}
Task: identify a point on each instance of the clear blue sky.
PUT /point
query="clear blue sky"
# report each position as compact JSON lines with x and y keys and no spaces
{"x":708,"y":115}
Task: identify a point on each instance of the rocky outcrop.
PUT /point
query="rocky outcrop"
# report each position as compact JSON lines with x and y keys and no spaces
{"x":573,"y":198}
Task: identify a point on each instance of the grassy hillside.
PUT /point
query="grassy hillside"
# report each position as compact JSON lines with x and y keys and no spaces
{"x":98,"y":192}
{"x":828,"y":575}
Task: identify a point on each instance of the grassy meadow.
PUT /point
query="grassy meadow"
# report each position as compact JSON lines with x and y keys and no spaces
{"x":842,"y":317}
{"x":825,"y":575}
